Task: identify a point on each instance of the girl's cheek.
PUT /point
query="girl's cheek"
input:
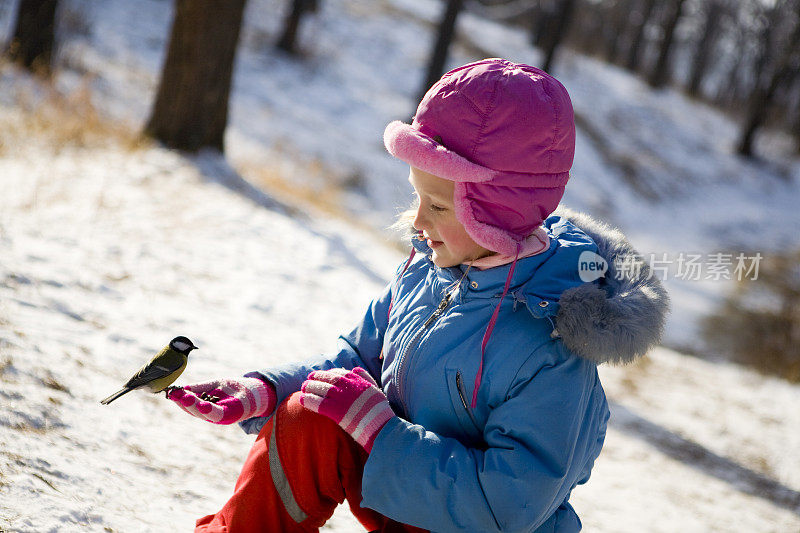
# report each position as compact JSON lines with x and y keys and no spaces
{"x":456,"y":236}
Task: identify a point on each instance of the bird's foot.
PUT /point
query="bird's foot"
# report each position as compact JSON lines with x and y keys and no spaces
{"x":169,"y":389}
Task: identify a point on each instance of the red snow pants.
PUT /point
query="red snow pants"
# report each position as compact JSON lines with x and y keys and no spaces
{"x":300,"y":468}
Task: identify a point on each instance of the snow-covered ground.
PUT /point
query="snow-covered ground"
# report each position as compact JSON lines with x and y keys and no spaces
{"x":656,"y":164}
{"x":108,"y":250}
{"x":107,"y":254}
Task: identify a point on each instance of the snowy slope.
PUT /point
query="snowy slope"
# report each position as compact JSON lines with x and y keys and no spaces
{"x":107,"y":252}
{"x":106,"y":255}
{"x":656,"y":164}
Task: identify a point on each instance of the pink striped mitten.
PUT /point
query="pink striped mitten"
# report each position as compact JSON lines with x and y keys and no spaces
{"x":352,"y":399}
{"x":226,"y":401}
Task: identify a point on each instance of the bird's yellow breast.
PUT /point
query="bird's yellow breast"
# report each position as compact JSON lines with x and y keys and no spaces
{"x":157,"y":385}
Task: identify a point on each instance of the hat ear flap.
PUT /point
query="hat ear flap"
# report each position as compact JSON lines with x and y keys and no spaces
{"x":500,"y":218}
{"x":488,"y":236}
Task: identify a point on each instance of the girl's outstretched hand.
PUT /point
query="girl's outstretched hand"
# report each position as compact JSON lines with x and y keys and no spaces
{"x":226,"y":401}
{"x":351,"y":398}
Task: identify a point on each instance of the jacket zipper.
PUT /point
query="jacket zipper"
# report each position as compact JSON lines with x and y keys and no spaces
{"x":461,"y":395}
{"x":440,"y":309}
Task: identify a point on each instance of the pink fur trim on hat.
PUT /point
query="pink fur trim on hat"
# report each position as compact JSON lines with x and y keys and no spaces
{"x":418,"y":150}
{"x":407,"y":143}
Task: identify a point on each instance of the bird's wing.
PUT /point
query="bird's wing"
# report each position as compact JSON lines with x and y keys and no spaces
{"x":153,"y":371}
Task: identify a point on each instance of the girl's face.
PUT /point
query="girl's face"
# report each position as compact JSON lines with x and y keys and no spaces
{"x":436,"y":219}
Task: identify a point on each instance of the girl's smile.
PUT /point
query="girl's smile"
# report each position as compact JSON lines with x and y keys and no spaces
{"x":434,"y":244}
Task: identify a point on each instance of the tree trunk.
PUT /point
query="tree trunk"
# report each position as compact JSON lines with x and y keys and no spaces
{"x":447,"y":28}
{"x":767,"y":39}
{"x":34,"y":35}
{"x":727,"y":92}
{"x":556,"y":32}
{"x":288,"y":41}
{"x":736,"y":93}
{"x":619,"y":16}
{"x":705,"y":47}
{"x":758,"y":109}
{"x":796,"y":117}
{"x":542,"y":16}
{"x":191,"y":108}
{"x":660,"y":74}
{"x":589,"y":25}
{"x":637,"y":43}
{"x":785,"y":70}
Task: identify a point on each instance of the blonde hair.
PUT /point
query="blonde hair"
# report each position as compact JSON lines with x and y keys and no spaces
{"x":405,"y":221}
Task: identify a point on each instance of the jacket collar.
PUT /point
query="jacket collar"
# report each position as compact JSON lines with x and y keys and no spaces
{"x":621,"y":316}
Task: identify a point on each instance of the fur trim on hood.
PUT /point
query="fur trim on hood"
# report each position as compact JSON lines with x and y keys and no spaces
{"x":622,"y":316}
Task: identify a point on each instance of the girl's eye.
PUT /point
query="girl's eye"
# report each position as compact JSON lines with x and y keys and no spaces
{"x":437,"y":208}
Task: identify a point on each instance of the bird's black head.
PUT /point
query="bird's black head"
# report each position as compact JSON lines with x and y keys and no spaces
{"x":182,"y":345}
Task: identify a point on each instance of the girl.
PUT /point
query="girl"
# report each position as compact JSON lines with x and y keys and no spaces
{"x":467,"y":398}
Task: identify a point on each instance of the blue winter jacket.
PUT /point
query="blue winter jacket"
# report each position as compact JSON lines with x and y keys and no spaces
{"x":540,"y":420}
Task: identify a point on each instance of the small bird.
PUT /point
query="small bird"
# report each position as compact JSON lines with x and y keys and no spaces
{"x":159,"y":373}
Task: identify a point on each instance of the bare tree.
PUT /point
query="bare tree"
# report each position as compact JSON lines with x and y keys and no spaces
{"x":796,"y":131}
{"x":783,"y":58}
{"x":438,"y":59}
{"x":288,"y":40}
{"x":794,"y":113}
{"x":191,"y":108}
{"x":617,"y":25}
{"x":590,"y":24}
{"x":660,"y":75}
{"x":542,"y":14}
{"x":34,"y":35}
{"x":745,"y":37}
{"x":784,"y":71}
{"x":555,"y":31}
{"x":713,"y":12}
{"x":641,"y":17}
{"x":768,"y":42}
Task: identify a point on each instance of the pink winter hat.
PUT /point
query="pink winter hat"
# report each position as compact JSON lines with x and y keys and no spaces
{"x":505,"y":133}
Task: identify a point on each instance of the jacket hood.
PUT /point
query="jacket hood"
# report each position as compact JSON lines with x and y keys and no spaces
{"x":614,"y":317}
{"x":619,"y":317}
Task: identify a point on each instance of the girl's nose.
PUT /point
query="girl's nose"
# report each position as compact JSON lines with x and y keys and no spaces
{"x":419,"y":221}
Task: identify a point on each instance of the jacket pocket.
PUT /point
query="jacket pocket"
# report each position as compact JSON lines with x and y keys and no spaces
{"x":460,"y":404}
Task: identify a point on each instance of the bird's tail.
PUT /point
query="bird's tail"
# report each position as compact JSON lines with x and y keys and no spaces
{"x":116,"y":395}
